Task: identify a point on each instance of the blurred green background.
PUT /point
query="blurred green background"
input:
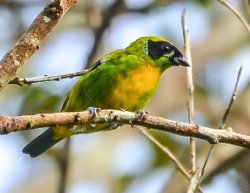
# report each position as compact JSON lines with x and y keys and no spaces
{"x":123,"y":160}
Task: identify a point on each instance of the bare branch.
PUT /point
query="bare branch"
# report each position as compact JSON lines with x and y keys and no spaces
{"x":118,"y":6}
{"x":170,"y":154}
{"x":199,"y":176}
{"x":224,"y":120}
{"x":194,"y":182}
{"x":187,"y":52}
{"x":223,"y":165}
{"x":45,"y":78}
{"x":233,"y":98}
{"x":236,"y":13}
{"x":10,"y":124}
{"x":31,"y":40}
{"x":98,"y":33}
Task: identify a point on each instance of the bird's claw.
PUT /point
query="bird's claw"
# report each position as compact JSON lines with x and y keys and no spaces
{"x":142,"y":115}
{"x":93,"y":111}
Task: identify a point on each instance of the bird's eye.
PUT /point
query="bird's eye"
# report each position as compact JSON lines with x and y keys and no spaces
{"x":166,"y":50}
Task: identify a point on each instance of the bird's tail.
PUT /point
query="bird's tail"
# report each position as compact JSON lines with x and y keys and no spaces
{"x":41,"y":143}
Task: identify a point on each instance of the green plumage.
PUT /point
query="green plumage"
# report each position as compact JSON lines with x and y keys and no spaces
{"x":123,"y":79}
{"x":95,"y":88}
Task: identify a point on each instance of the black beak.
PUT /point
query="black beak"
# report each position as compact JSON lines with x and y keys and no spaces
{"x":180,"y":61}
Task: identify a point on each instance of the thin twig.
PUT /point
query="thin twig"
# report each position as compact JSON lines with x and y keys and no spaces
{"x":206,"y":161}
{"x":187,"y":51}
{"x":236,"y":13}
{"x":223,"y":124}
{"x":118,"y":6}
{"x":225,"y":164}
{"x":98,"y":33}
{"x":201,"y":174}
{"x":170,"y":154}
{"x":46,"y":78}
{"x":30,"y":42}
{"x":233,"y":98}
{"x":194,"y":182}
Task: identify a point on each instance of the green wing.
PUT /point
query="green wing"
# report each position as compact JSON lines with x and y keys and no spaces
{"x":94,"y":89}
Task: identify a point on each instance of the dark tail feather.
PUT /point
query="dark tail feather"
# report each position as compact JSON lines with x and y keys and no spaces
{"x":40,"y":144}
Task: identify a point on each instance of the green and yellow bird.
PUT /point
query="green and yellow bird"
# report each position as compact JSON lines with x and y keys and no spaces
{"x":123,"y":79}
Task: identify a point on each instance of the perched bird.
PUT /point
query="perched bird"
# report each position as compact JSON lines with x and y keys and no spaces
{"x":123,"y":79}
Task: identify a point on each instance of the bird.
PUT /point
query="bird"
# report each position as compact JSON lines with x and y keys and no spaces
{"x":123,"y":79}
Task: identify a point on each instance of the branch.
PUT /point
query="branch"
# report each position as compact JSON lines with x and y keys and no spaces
{"x":118,"y":6}
{"x":170,"y":154}
{"x":236,"y":13}
{"x":194,"y":182}
{"x":98,"y":33}
{"x":233,"y":98}
{"x":45,"y":78}
{"x":187,"y":51}
{"x":223,"y":124}
{"x":223,"y":165}
{"x":32,"y":39}
{"x":10,"y":124}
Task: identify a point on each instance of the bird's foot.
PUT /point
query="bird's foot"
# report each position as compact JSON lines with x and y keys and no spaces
{"x":142,"y":115}
{"x":93,"y":111}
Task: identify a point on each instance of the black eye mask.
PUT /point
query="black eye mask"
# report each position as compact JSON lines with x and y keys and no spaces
{"x":159,"y":49}
{"x":162,"y":48}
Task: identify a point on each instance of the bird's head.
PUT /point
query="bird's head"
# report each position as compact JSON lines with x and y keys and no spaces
{"x":159,"y":50}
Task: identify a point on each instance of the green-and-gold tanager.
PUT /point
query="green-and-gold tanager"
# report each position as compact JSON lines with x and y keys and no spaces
{"x":123,"y":79}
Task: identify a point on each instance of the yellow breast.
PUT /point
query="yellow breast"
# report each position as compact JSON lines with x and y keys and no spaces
{"x":135,"y":89}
